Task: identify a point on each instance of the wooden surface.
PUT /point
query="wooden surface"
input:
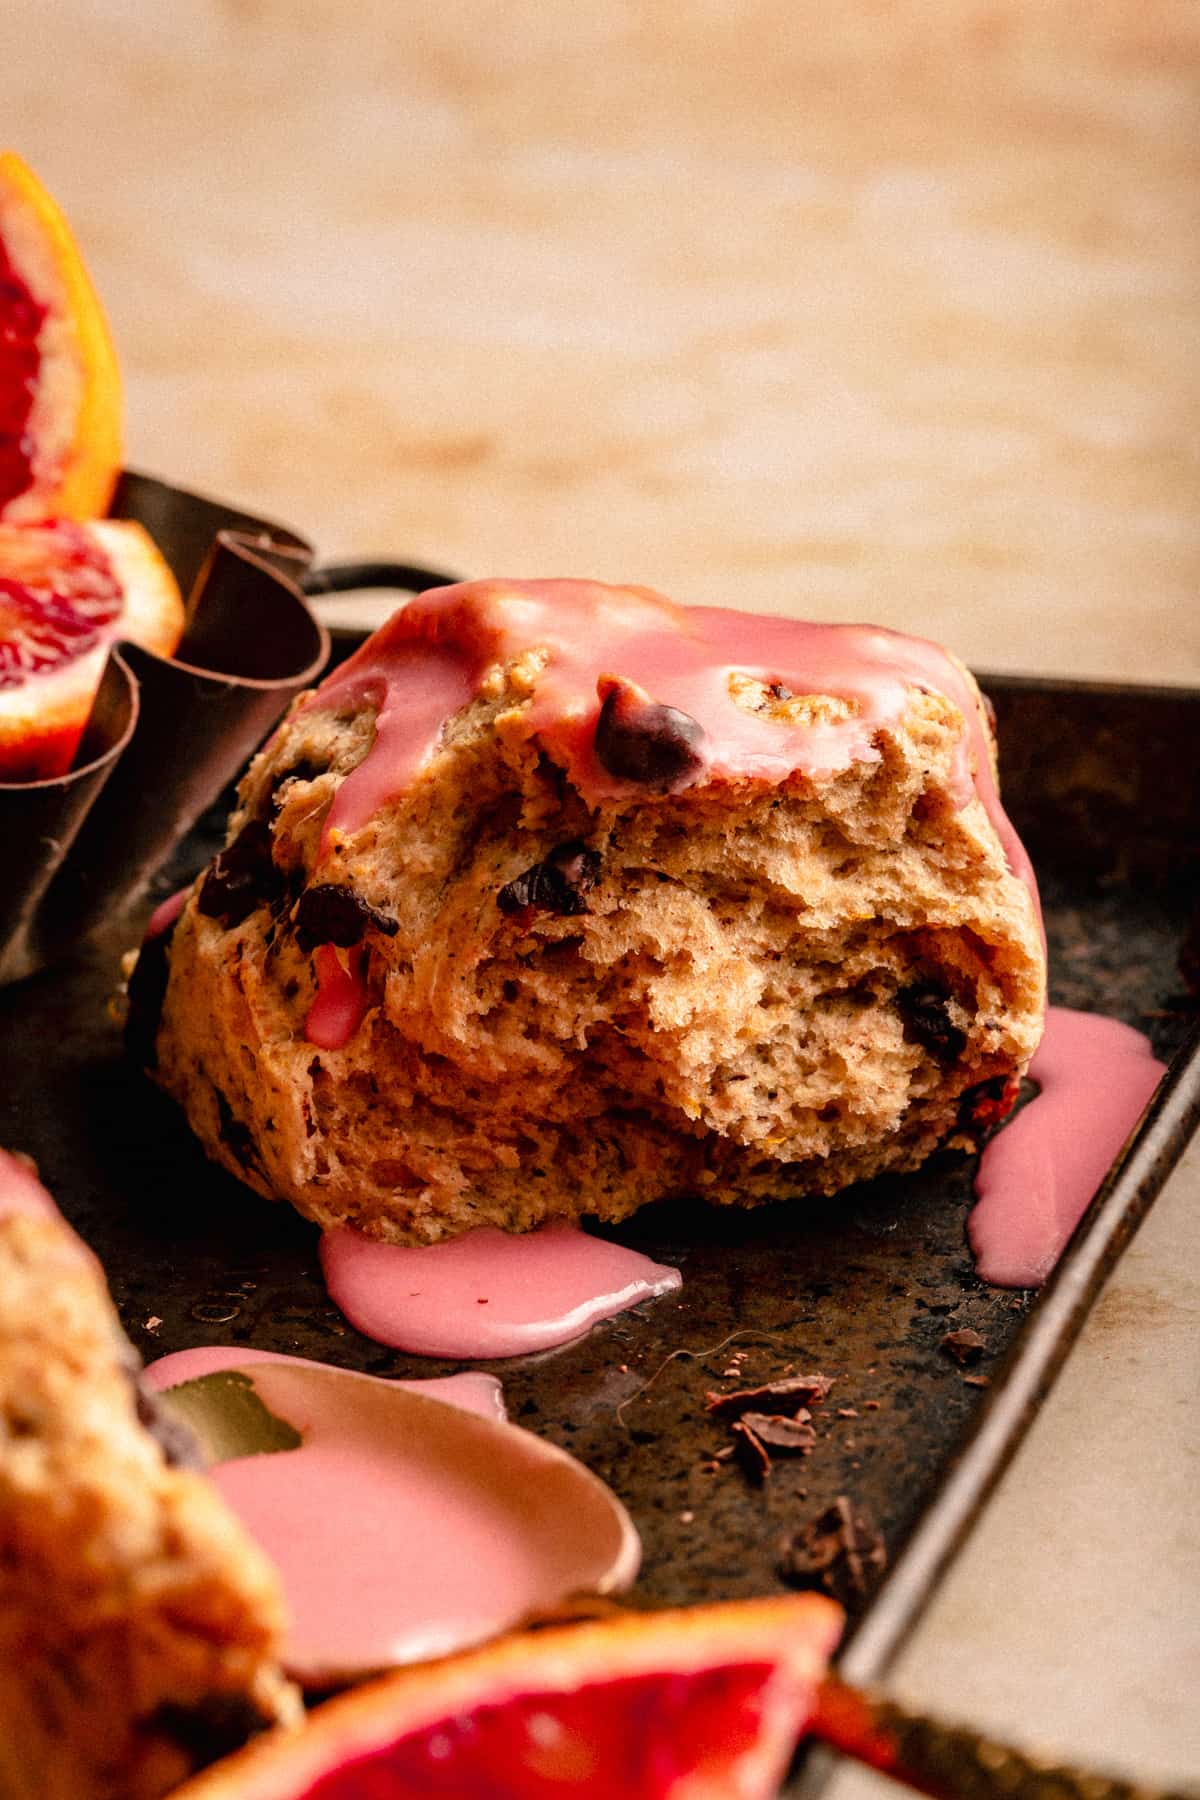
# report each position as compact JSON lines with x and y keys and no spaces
{"x":883,"y":308}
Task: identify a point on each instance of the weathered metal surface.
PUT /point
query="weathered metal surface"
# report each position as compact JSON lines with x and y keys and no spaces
{"x":1104,"y":784}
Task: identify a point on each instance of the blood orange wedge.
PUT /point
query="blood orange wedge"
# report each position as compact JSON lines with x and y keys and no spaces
{"x":663,"y":1706}
{"x":60,"y":391}
{"x":67,"y":590}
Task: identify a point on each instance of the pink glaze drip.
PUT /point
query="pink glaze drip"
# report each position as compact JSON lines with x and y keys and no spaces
{"x":487,"y":1293}
{"x":165,"y":915}
{"x":1037,"y":1176}
{"x":343,"y":998}
{"x":475,"y":1393}
{"x":680,"y":656}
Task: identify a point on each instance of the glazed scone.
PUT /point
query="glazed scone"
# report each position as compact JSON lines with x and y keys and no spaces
{"x":558,"y":898}
{"x":139,"y":1625}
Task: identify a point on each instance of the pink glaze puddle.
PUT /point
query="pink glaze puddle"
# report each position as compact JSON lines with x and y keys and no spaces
{"x":487,"y":1293}
{"x":381,"y":1557}
{"x":475,"y":1393}
{"x":433,"y":655}
{"x":1037,"y":1175}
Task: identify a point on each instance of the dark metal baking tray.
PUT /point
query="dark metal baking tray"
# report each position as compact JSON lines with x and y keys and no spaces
{"x":1103,"y":783}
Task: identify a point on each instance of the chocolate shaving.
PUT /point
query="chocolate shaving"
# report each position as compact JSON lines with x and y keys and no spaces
{"x":752,"y":1452}
{"x":240,"y":877}
{"x":788,"y":1437}
{"x":329,"y":914}
{"x":965,"y":1346}
{"x":927,"y":1021}
{"x":639,"y":740}
{"x":789,"y":1395}
{"x":557,"y":884}
{"x":840,"y":1552}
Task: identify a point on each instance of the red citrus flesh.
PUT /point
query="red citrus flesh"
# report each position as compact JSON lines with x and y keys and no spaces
{"x":21,"y":321}
{"x":639,"y":1737}
{"x":60,"y":388}
{"x":67,"y":591}
{"x":706,"y":1704}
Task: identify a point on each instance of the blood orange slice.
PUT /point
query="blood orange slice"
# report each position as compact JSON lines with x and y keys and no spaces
{"x":67,"y":590}
{"x":60,"y":391}
{"x":699,"y":1705}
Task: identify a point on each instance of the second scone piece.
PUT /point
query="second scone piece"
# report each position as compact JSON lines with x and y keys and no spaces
{"x":559,"y":898}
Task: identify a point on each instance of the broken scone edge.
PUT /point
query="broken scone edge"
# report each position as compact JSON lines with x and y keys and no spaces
{"x":140,"y":1626}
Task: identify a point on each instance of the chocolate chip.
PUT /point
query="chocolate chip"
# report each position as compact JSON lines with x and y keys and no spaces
{"x":557,"y":884}
{"x":209,"y":1729}
{"x":240,"y":877}
{"x":927,"y":1021}
{"x":329,"y":914}
{"x":639,"y":740}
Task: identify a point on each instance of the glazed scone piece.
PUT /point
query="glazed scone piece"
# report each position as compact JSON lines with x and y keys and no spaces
{"x":139,"y":1625}
{"x":559,"y":898}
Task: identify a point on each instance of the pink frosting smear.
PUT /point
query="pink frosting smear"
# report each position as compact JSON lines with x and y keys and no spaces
{"x":475,"y":1393}
{"x":433,"y":656}
{"x":1037,"y":1175}
{"x":487,"y":1293}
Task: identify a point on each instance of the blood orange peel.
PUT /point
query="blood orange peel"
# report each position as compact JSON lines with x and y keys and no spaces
{"x":706,"y":1704}
{"x":60,"y":388}
{"x":67,"y":592}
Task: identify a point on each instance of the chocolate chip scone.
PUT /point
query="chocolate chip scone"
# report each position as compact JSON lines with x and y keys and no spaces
{"x":558,"y":898}
{"x":139,"y":1625}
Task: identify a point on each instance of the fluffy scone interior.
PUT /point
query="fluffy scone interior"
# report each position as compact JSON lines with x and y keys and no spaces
{"x":746,"y":989}
{"x":139,"y":1625}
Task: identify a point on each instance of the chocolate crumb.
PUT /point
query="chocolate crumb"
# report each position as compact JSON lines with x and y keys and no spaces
{"x":557,"y":884}
{"x":965,"y":1346}
{"x":330,"y":914}
{"x":788,"y":1395}
{"x":839,"y":1552}
{"x":927,"y":1021}
{"x":871,"y":1405}
{"x":639,"y":740}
